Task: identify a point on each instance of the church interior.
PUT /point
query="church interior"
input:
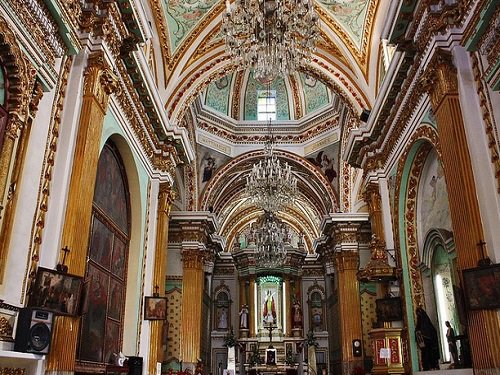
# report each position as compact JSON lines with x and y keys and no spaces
{"x":230,"y":187}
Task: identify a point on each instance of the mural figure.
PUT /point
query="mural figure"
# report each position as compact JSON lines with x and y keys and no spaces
{"x":269,"y":311}
{"x":209,"y":168}
{"x":427,"y":340}
{"x":326,"y":164}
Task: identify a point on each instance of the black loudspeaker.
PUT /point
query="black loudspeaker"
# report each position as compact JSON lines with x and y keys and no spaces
{"x":357,"y":350}
{"x":364,"y":115}
{"x":34,"y":331}
{"x":135,"y":365}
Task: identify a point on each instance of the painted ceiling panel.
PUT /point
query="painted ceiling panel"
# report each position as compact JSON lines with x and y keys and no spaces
{"x":183,"y":16}
{"x":282,"y":107}
{"x":350,"y":14}
{"x":315,"y":93}
{"x":217,"y":95}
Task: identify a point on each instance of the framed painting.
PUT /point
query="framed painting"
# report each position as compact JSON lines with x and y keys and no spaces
{"x":155,"y":308}
{"x":482,"y":287}
{"x":389,"y":309}
{"x":55,"y":291}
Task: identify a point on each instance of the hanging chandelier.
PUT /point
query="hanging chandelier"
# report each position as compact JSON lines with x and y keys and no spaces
{"x":271,"y":183}
{"x":270,"y":235}
{"x":271,"y":36}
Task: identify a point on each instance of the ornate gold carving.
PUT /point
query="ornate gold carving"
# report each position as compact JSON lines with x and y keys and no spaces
{"x":295,"y":95}
{"x":346,"y":260}
{"x":38,"y":224}
{"x":193,"y":258}
{"x":99,"y":80}
{"x":440,"y":79}
{"x":6,"y":327}
{"x":489,"y":120}
{"x":12,"y":371}
{"x":235,"y":108}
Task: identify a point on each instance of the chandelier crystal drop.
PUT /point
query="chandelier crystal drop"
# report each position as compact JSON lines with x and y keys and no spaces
{"x":271,"y":235}
{"x":271,"y":184}
{"x":273,"y":37}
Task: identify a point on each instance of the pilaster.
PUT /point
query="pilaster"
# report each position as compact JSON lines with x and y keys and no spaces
{"x":99,"y":83}
{"x":440,"y":80}
{"x":165,"y":199}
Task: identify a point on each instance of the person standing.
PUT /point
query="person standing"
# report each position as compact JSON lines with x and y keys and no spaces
{"x":452,"y":343}
{"x":427,"y":340}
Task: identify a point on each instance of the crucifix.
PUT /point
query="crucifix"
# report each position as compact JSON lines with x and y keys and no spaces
{"x":61,"y":267}
{"x":271,"y":328}
{"x":484,"y":261}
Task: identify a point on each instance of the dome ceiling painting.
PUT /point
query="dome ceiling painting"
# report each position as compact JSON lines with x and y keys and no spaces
{"x":204,"y":91}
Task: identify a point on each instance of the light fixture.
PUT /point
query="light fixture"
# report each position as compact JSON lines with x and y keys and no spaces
{"x":271,"y":183}
{"x":271,"y":36}
{"x":271,"y":235}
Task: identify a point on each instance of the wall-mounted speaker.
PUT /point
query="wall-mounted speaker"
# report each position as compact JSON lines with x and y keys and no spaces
{"x":365,"y":115}
{"x":34,"y":331}
{"x":357,"y":348}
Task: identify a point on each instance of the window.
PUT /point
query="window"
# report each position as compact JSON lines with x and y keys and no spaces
{"x":107,"y":257}
{"x":266,"y":105}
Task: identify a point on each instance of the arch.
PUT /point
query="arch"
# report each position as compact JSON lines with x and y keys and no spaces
{"x":434,"y":238}
{"x":101,"y":331}
{"x":408,"y":176}
{"x":220,"y":65}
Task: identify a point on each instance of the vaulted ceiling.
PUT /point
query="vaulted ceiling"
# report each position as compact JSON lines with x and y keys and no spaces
{"x":204,"y":91}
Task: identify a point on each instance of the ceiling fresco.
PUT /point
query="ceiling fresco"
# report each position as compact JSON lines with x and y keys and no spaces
{"x":350,"y":15}
{"x":316,"y":94}
{"x":217,"y":94}
{"x":183,"y":16}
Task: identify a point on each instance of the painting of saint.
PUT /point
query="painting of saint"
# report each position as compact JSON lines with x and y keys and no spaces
{"x":269,"y":308}
{"x":327,"y":160}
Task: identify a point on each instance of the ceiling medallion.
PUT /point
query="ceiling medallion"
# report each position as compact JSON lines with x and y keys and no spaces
{"x":273,"y":37}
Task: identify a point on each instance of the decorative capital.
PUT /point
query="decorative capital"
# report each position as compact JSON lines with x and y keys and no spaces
{"x":166,"y":196}
{"x":372,"y":197}
{"x":100,"y":81}
{"x":440,"y":78}
{"x":347,"y":260}
{"x":193,"y":259}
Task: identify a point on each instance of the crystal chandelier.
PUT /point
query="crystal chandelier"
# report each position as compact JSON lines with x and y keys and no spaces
{"x":271,"y":235}
{"x":271,"y":183}
{"x":271,"y":36}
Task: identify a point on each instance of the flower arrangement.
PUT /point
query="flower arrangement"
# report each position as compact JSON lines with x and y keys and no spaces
{"x":311,"y":340}
{"x":255,"y":357}
{"x":230,"y":339}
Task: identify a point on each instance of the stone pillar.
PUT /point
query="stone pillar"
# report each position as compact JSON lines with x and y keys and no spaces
{"x":192,"y":301}
{"x":99,"y":83}
{"x":165,"y":199}
{"x":440,"y":80}
{"x":346,"y":264}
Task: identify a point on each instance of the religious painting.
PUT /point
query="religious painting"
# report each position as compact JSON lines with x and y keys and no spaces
{"x":57,"y":292}
{"x":208,"y":163}
{"x":115,"y":296}
{"x":118,"y":258}
{"x":112,"y":341}
{"x":94,"y":314}
{"x":101,"y":243}
{"x":110,"y":193}
{"x":155,"y":308}
{"x":389,"y":309}
{"x":482,"y":287}
{"x":270,"y":297}
{"x":327,"y":160}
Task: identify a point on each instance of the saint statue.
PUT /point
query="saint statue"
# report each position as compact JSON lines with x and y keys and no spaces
{"x":297,"y":315}
{"x":244,"y":317}
{"x":269,"y":311}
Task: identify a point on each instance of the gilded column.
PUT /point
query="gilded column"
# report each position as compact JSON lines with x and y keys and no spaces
{"x":440,"y":80}
{"x":165,"y":199}
{"x":347,"y":263}
{"x":192,"y":301}
{"x":374,"y":201}
{"x":251,"y":304}
{"x":288,"y":307}
{"x":99,"y":83}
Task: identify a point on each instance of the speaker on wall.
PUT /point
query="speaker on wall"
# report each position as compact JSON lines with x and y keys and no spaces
{"x":34,"y":331}
{"x":364,"y":115}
